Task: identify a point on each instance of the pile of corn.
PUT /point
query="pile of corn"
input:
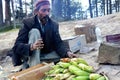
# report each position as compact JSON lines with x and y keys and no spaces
{"x":73,"y":69}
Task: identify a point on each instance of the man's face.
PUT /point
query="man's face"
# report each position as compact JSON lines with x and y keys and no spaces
{"x":44,"y":11}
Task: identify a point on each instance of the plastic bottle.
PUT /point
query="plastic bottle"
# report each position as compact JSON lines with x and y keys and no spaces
{"x":98,"y":34}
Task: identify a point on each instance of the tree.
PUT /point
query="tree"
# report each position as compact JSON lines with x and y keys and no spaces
{"x":117,"y":3}
{"x":57,"y":9}
{"x":26,"y":4}
{"x":110,"y":6}
{"x":103,"y":6}
{"x":1,"y":13}
{"x":32,"y":5}
{"x":76,"y":10}
{"x":90,"y":8}
{"x":107,"y":5}
{"x":67,"y":9}
{"x":21,"y":10}
{"x":96,"y":7}
{"x":20,"y":6}
{"x":7,"y":12}
{"x":13,"y":13}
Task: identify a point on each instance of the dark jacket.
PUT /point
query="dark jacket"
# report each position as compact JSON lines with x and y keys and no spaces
{"x":51,"y":40}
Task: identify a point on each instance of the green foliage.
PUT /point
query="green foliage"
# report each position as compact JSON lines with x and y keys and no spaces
{"x":8,"y":28}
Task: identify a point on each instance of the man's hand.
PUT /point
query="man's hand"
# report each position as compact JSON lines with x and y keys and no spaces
{"x":72,"y":55}
{"x":37,"y":45}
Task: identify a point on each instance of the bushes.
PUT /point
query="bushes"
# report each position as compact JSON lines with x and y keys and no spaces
{"x":8,"y":28}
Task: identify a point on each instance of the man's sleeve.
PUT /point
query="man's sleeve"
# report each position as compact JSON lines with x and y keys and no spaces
{"x":21,"y":46}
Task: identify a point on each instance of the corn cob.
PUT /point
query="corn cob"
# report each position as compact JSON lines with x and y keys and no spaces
{"x":101,"y":78}
{"x":59,"y":70}
{"x":56,"y":66}
{"x":64,"y":65}
{"x":70,"y":77}
{"x":94,"y":76}
{"x":82,"y":78}
{"x":48,"y":78}
{"x":75,"y":70}
{"x":85,"y":67}
{"x":79,"y":60}
{"x":65,"y":76}
{"x":74,"y":63}
{"x":50,"y":72}
{"x":58,"y":76}
{"x":65,"y":70}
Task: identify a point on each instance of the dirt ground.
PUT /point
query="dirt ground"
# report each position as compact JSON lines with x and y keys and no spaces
{"x":108,"y":24}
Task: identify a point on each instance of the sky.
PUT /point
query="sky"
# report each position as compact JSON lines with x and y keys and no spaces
{"x":85,"y":3}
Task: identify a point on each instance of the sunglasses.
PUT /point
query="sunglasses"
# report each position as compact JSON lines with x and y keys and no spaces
{"x":44,"y":10}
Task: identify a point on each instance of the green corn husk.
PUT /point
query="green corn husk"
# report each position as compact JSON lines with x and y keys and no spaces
{"x":74,"y":63}
{"x":101,"y":78}
{"x":73,"y":79}
{"x":75,"y":70}
{"x":79,"y":60}
{"x":62,"y":76}
{"x":65,"y":76}
{"x":59,"y":70}
{"x":58,"y":76}
{"x":94,"y":76}
{"x":81,"y":73}
{"x":64,"y":64}
{"x":85,"y":67}
{"x":70,"y":77}
{"x":82,"y":78}
{"x":50,"y":72}
{"x":48,"y":78}
{"x":65,"y":71}
{"x":56,"y":66}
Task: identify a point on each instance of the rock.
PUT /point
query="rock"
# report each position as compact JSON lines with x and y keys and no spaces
{"x":1,"y":70}
{"x":4,"y":53}
{"x":7,"y":58}
{"x":109,"y":53}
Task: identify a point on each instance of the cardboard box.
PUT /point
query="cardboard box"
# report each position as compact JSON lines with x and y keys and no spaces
{"x":75,"y":43}
{"x":33,"y":73}
{"x":88,"y":30}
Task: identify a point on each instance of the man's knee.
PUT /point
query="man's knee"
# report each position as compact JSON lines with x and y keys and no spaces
{"x":34,"y":31}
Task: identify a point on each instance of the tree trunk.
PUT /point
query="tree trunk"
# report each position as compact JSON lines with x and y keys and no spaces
{"x":20,"y":4}
{"x":7,"y":12}
{"x":68,"y":10}
{"x":25,"y":7}
{"x":117,"y":5}
{"x":110,"y":6}
{"x":14,"y":21}
{"x":90,"y":7}
{"x":104,"y":6}
{"x":107,"y":5}
{"x":32,"y":5}
{"x":96,"y":8}
{"x":1,"y":13}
